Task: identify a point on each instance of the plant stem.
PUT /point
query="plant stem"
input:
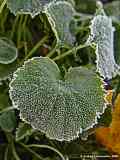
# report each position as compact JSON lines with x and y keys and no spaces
{"x":31,"y":151}
{"x":20,"y":29}
{"x":14,"y":152}
{"x":7,"y":109}
{"x":53,"y":49}
{"x":70,"y":51}
{"x":2,"y":5}
{"x":25,"y":21}
{"x":6,"y":153}
{"x":14,"y":26}
{"x":3,"y":19}
{"x":47,"y":147}
{"x":24,"y":34}
{"x":34,"y":49}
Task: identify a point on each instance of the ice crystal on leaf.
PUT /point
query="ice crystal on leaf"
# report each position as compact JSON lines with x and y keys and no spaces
{"x":102,"y":33}
{"x":60,"y":108}
{"x":60,"y":15}
{"x":32,"y":7}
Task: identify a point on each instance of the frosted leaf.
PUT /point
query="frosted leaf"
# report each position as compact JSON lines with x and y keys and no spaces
{"x":59,"y":108}
{"x":8,"y":51}
{"x":32,"y":7}
{"x":60,"y":15}
{"x":102,"y":33}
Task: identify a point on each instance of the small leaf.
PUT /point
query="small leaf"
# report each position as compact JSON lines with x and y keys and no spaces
{"x":23,"y":130}
{"x":59,"y":108}
{"x":8,"y":121}
{"x":102,"y":33}
{"x":60,"y":15}
{"x":8,"y":52}
{"x":32,"y":7}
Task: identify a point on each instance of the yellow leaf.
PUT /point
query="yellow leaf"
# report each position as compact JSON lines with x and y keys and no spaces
{"x":110,"y":136}
{"x":108,"y":97}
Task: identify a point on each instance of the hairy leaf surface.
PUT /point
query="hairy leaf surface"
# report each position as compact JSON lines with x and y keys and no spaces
{"x":60,"y":15}
{"x":8,"y":51}
{"x":59,"y":108}
{"x":102,"y":33}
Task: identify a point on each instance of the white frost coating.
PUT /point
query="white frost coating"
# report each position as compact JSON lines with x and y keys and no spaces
{"x":102,"y":33}
{"x":60,"y":14}
{"x":60,"y":109}
{"x":32,"y":7}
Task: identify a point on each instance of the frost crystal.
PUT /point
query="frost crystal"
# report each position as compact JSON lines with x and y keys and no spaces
{"x":102,"y":33}
{"x":59,"y":108}
{"x":60,"y":15}
{"x":32,"y":7}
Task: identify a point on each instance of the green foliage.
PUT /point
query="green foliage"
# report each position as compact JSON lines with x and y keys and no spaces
{"x":4,"y":99}
{"x":8,"y":121}
{"x":112,"y":9}
{"x":59,"y":108}
{"x":60,"y":15}
{"x":62,"y":99}
{"x":86,"y":6}
{"x":8,"y":55}
{"x":7,"y":117}
{"x":23,"y":131}
{"x":117,"y":44}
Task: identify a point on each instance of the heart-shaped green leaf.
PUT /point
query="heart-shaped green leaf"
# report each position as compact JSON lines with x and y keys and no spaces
{"x":60,"y":15}
{"x":8,"y":51}
{"x":32,"y":7}
{"x":102,"y":33}
{"x":60,"y":108}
